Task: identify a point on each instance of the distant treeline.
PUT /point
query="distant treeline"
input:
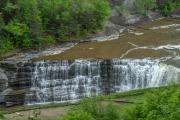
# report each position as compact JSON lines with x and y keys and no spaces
{"x":39,"y":23}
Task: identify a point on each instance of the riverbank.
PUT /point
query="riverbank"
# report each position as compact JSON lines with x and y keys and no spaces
{"x":124,"y":101}
{"x":129,"y":42}
{"x":144,"y":56}
{"x":156,"y":39}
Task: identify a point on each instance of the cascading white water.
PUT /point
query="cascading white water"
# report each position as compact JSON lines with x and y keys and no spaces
{"x":137,"y":74}
{"x":63,"y":81}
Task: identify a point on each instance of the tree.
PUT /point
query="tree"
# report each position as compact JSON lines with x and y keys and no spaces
{"x":18,"y":33}
{"x":143,"y":6}
{"x":158,"y":105}
{"x":29,"y":14}
{"x":37,"y":23}
{"x":168,"y":6}
{"x":1,"y":23}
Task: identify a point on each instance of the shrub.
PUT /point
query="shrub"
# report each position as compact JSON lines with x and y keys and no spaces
{"x":1,"y":116}
{"x":44,"y":42}
{"x":143,"y":6}
{"x":159,"y":105}
{"x":5,"y":45}
{"x":18,"y":33}
{"x":168,"y":6}
{"x":94,"y":109}
{"x":78,"y":115}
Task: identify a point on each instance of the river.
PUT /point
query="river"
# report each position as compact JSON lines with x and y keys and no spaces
{"x":146,"y":55}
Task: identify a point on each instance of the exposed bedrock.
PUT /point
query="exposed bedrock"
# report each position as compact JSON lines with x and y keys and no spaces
{"x":70,"y":80}
{"x":123,"y":14}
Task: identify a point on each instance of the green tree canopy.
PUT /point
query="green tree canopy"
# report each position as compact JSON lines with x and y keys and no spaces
{"x":37,"y":23}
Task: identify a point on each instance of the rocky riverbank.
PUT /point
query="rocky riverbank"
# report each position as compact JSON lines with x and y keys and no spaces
{"x":116,"y":24}
{"x":126,"y":55}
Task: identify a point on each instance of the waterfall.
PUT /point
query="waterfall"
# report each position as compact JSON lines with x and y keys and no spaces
{"x":70,"y":80}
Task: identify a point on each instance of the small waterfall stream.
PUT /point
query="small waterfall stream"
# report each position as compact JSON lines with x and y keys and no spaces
{"x":70,"y":80}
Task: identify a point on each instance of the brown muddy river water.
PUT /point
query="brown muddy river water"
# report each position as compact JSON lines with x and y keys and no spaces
{"x":160,"y":38}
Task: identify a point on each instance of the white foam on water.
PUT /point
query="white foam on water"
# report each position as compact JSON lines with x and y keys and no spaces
{"x":165,"y":26}
{"x":65,"y":81}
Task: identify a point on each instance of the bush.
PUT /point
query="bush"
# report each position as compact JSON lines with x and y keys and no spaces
{"x":159,"y":105}
{"x":168,"y":6}
{"x":18,"y":33}
{"x":1,"y":116}
{"x":5,"y":45}
{"x":94,"y":109}
{"x":78,"y":115}
{"x":143,"y":6}
{"x":44,"y":42}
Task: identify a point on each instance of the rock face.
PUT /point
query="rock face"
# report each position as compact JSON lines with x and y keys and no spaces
{"x":123,"y":14}
{"x":3,"y":80}
{"x":70,"y":80}
{"x":23,"y":81}
{"x":13,"y":84}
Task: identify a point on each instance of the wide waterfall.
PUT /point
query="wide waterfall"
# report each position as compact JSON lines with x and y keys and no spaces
{"x":70,"y":80}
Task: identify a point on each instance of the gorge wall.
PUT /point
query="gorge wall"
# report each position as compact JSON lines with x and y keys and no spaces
{"x":69,"y":80}
{"x":23,"y":81}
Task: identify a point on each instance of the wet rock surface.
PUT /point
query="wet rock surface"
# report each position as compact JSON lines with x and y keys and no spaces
{"x":147,"y":55}
{"x":39,"y":79}
{"x":45,"y":82}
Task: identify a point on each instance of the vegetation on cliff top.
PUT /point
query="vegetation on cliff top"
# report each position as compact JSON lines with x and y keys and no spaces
{"x":168,"y":6}
{"x":36,"y":23}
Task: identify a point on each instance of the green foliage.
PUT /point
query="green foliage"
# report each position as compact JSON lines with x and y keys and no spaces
{"x":1,"y":116}
{"x":16,"y":28}
{"x":1,"y":23}
{"x":30,"y":23}
{"x":93,"y":109}
{"x":44,"y":42}
{"x":5,"y":45}
{"x":122,"y":10}
{"x":18,"y":33}
{"x":78,"y":115}
{"x":159,"y":105}
{"x":143,"y":6}
{"x":168,"y":6}
{"x":73,"y":18}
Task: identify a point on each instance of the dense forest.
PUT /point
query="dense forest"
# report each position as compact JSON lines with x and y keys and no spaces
{"x":36,"y":23}
{"x":33,"y":24}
